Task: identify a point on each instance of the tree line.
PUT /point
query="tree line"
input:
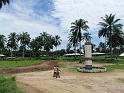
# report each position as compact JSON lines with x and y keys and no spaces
{"x":110,"y":29}
{"x":21,"y":42}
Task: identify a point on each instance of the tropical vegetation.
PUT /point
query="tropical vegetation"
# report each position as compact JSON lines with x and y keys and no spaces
{"x":111,"y":29}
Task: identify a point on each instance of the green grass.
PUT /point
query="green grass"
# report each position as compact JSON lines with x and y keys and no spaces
{"x":115,"y":66}
{"x":8,"y":85}
{"x":21,"y":63}
{"x":68,"y":66}
{"x":108,"y":59}
{"x":118,"y":63}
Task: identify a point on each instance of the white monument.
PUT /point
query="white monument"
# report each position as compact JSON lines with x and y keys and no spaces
{"x":88,"y":61}
{"x":88,"y":55}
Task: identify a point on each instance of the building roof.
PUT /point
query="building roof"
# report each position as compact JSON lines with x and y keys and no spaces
{"x":121,"y":54}
{"x":1,"y":55}
{"x":72,"y":54}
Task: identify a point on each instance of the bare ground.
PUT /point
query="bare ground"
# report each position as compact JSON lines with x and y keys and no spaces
{"x":48,"y":65}
{"x":43,"y":82}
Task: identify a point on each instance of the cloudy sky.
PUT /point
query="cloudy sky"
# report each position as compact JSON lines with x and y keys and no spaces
{"x":55,"y":16}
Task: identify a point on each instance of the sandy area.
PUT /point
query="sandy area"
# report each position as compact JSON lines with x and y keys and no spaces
{"x":43,"y":82}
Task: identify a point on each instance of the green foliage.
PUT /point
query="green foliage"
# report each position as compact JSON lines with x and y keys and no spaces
{"x":115,"y":66}
{"x":12,"y":42}
{"x":68,"y":65}
{"x":8,"y":85}
{"x":76,"y":33}
{"x":112,"y":31}
{"x":2,"y":43}
{"x":24,"y":39}
{"x":18,"y":63}
{"x":44,"y":42}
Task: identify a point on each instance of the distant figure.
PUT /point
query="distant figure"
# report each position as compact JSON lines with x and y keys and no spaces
{"x":56,"y":72}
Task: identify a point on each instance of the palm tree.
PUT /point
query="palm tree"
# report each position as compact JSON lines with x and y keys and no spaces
{"x":24,"y":39}
{"x":2,"y":42}
{"x":12,"y":42}
{"x":44,"y":37}
{"x":78,"y":26}
{"x":109,"y":26}
{"x":57,"y":41}
{"x":86,"y":36}
{"x":35,"y":45}
{"x":73,"y":41}
{"x":102,"y":47}
{"x":49,"y":43}
{"x":117,"y":41}
{"x":3,"y":2}
{"x":68,"y":47}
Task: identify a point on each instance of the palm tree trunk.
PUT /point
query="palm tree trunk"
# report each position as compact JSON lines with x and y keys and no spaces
{"x":56,"y":50}
{"x":23,"y":52}
{"x":80,"y":52}
{"x":75,"y":52}
{"x":110,"y":44}
{"x":80,"y":42}
{"x":1,"y":50}
{"x":11,"y":52}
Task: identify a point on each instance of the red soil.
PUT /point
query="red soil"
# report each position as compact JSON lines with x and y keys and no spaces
{"x":40,"y":67}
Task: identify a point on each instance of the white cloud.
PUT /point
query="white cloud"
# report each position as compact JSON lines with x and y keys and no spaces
{"x":21,"y":16}
{"x":90,"y":10}
{"x":10,"y":23}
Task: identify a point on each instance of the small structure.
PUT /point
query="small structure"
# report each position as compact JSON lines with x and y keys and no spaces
{"x":88,"y":68}
{"x":88,"y":56}
{"x":2,"y":56}
{"x":98,"y":54}
{"x":121,"y":55}
{"x":72,"y":54}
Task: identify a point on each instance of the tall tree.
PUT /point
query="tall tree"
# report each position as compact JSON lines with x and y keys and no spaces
{"x":86,"y":36}
{"x":2,"y":42}
{"x":109,"y":26}
{"x":12,"y":42}
{"x":48,"y":45}
{"x":48,"y":41}
{"x":78,"y":26}
{"x":36,"y":43}
{"x":57,"y":41}
{"x":102,"y":47}
{"x":68,"y":47}
{"x":73,"y":41}
{"x":3,"y":2}
{"x":44,"y":37}
{"x":24,"y":39}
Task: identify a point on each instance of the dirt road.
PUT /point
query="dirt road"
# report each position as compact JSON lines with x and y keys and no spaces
{"x":43,"y":82}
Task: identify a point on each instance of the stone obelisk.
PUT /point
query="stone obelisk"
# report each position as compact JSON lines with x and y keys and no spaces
{"x":88,"y":55}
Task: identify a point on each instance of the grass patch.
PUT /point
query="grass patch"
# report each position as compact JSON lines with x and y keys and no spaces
{"x":8,"y":85}
{"x":115,"y":66}
{"x":69,"y":66}
{"x":21,"y":63}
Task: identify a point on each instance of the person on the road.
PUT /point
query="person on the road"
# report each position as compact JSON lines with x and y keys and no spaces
{"x":56,"y":72}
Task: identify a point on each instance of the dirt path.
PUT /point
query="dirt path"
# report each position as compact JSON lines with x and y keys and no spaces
{"x":42,"y":82}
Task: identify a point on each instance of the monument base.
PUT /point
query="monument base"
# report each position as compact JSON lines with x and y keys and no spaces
{"x":93,"y":70}
{"x":88,"y":67}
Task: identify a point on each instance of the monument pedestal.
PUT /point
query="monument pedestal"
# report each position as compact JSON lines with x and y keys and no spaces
{"x":88,"y":61}
{"x":88,"y":55}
